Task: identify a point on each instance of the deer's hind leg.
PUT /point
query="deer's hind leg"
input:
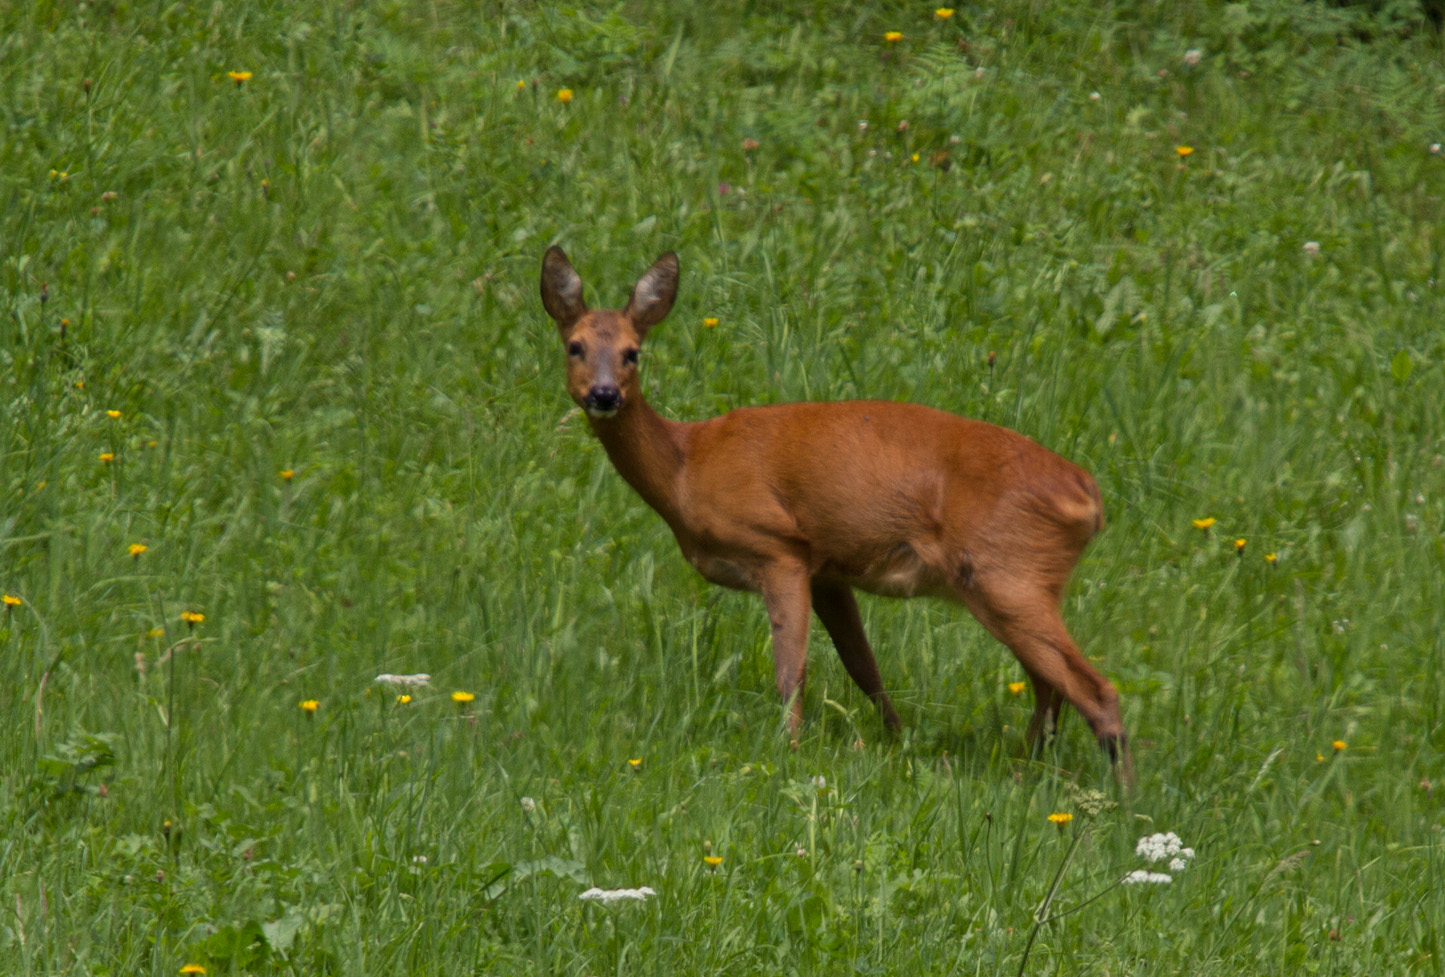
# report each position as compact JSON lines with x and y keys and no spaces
{"x":1023,"y":613}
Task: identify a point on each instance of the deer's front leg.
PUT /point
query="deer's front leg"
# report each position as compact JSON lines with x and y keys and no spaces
{"x":785,"y":592}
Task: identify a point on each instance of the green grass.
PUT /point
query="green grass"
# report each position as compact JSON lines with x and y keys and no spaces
{"x":330,"y":268}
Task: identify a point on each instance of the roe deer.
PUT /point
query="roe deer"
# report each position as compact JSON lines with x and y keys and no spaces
{"x":803,"y":502}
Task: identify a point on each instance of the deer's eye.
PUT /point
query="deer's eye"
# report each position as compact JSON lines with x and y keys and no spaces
{"x":574,"y":348}
{"x":629,"y":356}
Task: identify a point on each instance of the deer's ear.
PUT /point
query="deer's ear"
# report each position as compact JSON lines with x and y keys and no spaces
{"x":561,"y":289}
{"x":653,"y":294}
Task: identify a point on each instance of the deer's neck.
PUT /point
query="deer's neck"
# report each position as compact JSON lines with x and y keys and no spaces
{"x":648,"y":451}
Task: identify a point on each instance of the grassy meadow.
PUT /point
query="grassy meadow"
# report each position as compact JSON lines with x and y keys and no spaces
{"x":271,"y":353}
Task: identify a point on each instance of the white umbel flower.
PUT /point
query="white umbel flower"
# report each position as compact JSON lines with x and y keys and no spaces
{"x":417,"y":681}
{"x":1142,"y":877}
{"x":610,"y":897}
{"x":1156,"y":848}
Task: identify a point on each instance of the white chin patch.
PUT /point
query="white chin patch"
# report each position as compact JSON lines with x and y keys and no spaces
{"x":594,"y":412}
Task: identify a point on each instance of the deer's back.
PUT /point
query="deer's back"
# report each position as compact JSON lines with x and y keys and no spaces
{"x":887,"y":496}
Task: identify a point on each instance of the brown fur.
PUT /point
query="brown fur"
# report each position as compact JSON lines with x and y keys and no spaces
{"x":804,"y":502}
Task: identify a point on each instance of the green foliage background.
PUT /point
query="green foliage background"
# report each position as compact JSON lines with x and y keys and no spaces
{"x":330,"y":268}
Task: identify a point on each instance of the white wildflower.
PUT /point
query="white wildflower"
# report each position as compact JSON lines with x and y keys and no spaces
{"x":1434,"y":149}
{"x":1311,"y":247}
{"x":529,"y":805}
{"x":610,"y":897}
{"x":416,"y":681}
{"x":1177,"y":864}
{"x":1141,"y":877}
{"x":418,"y":859}
{"x":862,"y":125}
{"x":1193,"y":56}
{"x":1156,"y":848}
{"x":1094,"y":96}
{"x":820,"y":782}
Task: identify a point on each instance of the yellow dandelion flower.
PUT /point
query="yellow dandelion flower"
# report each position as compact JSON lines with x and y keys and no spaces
{"x":402,"y":699}
{"x":462,"y":698}
{"x":1204,"y":523}
{"x":136,"y":549}
{"x":710,"y":322}
{"x":193,"y":968}
{"x":1061,"y":818}
{"x":943,"y":13}
{"x":287,"y":474}
{"x":712,"y":861}
{"x":1319,"y":758}
{"x":1239,"y":545}
{"x":107,"y":456}
{"x":310,"y":705}
{"x":1338,"y":746}
{"x":156,"y":633}
{"x":1017,"y":687}
{"x":114,"y":415}
{"x":521,"y":85}
{"x":1271,"y":557}
{"x":634,"y":764}
{"x":564,"y":95}
{"x":1183,"y":151}
{"x":914,"y":157}
{"x":239,"y":77}
{"x":192,"y":617}
{"x":893,"y":37}
{"x":10,"y":600}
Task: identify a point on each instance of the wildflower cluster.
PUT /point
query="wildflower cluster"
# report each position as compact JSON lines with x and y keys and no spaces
{"x":609,"y":897}
{"x":1156,"y":848}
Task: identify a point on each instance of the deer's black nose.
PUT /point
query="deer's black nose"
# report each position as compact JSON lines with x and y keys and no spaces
{"x":604,"y":398}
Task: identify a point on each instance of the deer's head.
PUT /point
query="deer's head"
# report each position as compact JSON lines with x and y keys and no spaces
{"x":602,"y":344}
